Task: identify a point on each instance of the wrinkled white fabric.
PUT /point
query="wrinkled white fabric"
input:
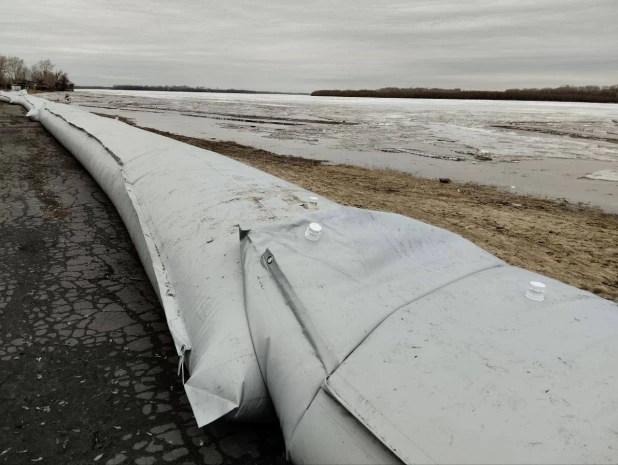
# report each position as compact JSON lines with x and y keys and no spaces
{"x":181,"y":205}
{"x":429,"y":343}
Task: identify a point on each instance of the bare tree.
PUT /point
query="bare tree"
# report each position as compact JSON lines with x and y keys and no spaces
{"x":43,"y":73}
{"x":63,"y":81}
{"x":2,"y":70}
{"x":46,"y":66}
{"x":16,"y":69}
{"x":49,"y":77}
{"x":35,"y":74}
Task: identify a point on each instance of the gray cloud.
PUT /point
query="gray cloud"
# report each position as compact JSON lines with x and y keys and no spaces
{"x":302,"y":46}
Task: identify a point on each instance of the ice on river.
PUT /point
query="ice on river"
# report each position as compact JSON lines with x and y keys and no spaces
{"x":452,"y":129}
{"x":547,"y":149}
{"x":604,"y":175}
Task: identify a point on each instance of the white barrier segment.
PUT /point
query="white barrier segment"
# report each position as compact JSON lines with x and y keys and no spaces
{"x":17,"y":98}
{"x":328,"y":434}
{"x":181,"y":205}
{"x":97,"y":161}
{"x":478,"y":373}
{"x":433,"y":346}
{"x":311,"y":303}
{"x":33,"y":113}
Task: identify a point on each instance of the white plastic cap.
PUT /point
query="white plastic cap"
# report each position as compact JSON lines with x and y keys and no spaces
{"x":536,"y":286}
{"x":313,"y":232}
{"x":536,"y":291}
{"x":313,"y":201}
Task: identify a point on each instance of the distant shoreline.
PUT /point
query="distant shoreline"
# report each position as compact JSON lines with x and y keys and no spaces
{"x":186,"y":89}
{"x":582,"y":94}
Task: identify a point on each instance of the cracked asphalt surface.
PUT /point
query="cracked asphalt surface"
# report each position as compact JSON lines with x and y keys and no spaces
{"x":87,"y":365}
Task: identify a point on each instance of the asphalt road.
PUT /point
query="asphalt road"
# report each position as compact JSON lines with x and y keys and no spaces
{"x":87,"y":365}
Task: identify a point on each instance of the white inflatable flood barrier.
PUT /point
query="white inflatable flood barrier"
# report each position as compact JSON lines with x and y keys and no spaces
{"x":181,"y":206}
{"x":380,"y":339}
{"x":429,"y":342}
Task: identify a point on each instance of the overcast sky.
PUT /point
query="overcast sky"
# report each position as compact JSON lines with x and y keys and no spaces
{"x":302,"y":46}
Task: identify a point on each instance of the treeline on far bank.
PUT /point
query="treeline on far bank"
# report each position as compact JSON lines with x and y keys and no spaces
{"x":189,"y":89}
{"x":592,"y":94}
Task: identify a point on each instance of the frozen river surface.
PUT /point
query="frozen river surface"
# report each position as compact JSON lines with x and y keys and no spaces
{"x":457,"y":129}
{"x":541,"y":147}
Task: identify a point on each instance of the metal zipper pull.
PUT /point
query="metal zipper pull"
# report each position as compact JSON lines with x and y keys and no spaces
{"x":181,"y":363}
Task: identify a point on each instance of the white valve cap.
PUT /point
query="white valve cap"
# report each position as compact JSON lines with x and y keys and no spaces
{"x":536,"y":291}
{"x":313,"y":232}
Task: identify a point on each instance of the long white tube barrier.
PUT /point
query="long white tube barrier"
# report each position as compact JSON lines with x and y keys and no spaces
{"x":380,"y":339}
{"x":181,"y":205}
{"x":444,"y":353}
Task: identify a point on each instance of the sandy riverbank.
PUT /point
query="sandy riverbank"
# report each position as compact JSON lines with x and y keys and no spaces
{"x":572,"y":243}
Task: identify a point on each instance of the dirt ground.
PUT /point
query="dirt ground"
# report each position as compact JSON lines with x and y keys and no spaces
{"x":575,"y":244}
